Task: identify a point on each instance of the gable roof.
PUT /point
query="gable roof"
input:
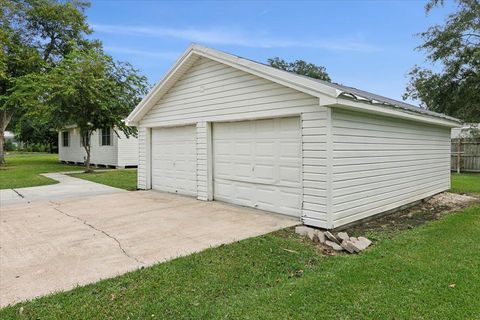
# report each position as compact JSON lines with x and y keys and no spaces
{"x":335,"y":94}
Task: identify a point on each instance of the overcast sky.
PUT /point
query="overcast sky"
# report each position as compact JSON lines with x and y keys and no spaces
{"x":365,"y":44}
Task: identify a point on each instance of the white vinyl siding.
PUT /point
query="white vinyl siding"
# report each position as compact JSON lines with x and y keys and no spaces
{"x":314,"y":153}
{"x":127,"y":150}
{"x":143,"y":171}
{"x":203,"y":168}
{"x":382,"y":163}
{"x":211,"y":91}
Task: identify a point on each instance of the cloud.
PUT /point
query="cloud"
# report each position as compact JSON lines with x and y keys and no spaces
{"x":224,"y":36}
{"x":143,"y":53}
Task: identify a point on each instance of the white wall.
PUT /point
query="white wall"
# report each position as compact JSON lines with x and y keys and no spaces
{"x":74,"y":152}
{"x":381,"y":163}
{"x":211,"y":91}
{"x":315,"y":169}
{"x":127,"y":150}
{"x":106,"y":155}
{"x":100,"y":155}
{"x":143,"y":176}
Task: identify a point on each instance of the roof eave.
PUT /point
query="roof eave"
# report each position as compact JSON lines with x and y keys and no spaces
{"x":394,"y":111}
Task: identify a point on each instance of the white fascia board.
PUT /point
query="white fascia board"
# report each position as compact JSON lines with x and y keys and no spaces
{"x":391,"y":111}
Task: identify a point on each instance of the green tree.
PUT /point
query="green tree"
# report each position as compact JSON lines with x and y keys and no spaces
{"x":35,"y":130}
{"x":35,"y":35}
{"x":454,"y":49}
{"x":300,"y":67}
{"x":87,"y":88}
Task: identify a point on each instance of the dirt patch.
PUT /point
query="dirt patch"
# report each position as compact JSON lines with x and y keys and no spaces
{"x":429,"y":209}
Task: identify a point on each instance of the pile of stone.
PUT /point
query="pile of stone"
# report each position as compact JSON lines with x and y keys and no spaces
{"x":340,"y":242}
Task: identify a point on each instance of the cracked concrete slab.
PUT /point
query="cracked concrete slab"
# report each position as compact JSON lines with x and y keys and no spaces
{"x":67,"y":187}
{"x":57,"y":245}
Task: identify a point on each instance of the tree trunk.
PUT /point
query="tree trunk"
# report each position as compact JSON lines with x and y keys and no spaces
{"x":5,"y":118}
{"x":86,"y":145}
{"x":2,"y":147}
{"x":88,"y":169}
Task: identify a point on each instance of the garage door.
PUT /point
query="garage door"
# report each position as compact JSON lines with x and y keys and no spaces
{"x":174,"y":160}
{"x":258,"y":164}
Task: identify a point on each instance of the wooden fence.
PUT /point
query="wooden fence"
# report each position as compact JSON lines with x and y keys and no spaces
{"x":466,"y":155}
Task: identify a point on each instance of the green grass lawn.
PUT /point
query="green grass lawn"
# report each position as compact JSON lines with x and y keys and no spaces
{"x":23,"y":170}
{"x":124,"y":179}
{"x":466,"y":183}
{"x":430,"y":272}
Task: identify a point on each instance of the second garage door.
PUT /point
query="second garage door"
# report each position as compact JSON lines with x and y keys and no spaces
{"x":174,"y":160}
{"x":258,"y":164}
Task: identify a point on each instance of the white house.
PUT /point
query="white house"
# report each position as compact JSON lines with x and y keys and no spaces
{"x":107,"y":149}
{"x":220,"y":127}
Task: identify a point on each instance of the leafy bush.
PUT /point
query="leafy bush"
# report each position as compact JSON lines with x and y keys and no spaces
{"x":10,"y":146}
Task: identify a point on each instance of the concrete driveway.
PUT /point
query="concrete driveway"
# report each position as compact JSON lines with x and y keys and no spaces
{"x":56,"y":245}
{"x":67,"y":187}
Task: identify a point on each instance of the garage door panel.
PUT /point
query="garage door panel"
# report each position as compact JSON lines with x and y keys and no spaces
{"x":222,"y":189}
{"x":223,"y":148}
{"x":277,"y":199}
{"x":265,"y":173}
{"x":291,"y":176}
{"x":258,"y":164}
{"x":290,"y":149}
{"x":265,"y":148}
{"x":174,"y":157}
{"x":242,"y":170}
{"x":222,"y":169}
{"x":289,"y":127}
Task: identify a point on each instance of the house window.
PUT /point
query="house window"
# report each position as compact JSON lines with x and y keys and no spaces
{"x":65,"y":138}
{"x":106,"y":137}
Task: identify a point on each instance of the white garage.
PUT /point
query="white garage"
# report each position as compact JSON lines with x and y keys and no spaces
{"x":219,"y":127}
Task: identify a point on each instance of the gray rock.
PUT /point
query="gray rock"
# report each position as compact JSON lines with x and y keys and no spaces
{"x":349,"y":246}
{"x":331,"y":237}
{"x":342,"y":236}
{"x":334,"y":245}
{"x":306,"y":232}
{"x":364,"y":243}
{"x":360,"y":243}
{"x":320,"y":236}
{"x":301,"y":230}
